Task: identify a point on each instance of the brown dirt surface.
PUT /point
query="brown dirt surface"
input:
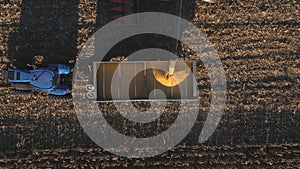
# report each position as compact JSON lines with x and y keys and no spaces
{"x":258,"y":42}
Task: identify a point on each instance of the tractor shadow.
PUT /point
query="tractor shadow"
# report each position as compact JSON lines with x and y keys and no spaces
{"x":47,"y":28}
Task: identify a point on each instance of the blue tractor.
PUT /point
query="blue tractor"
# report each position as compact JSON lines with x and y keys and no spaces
{"x":54,"y":79}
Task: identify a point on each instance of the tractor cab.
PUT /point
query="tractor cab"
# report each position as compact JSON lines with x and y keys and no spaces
{"x":49,"y":79}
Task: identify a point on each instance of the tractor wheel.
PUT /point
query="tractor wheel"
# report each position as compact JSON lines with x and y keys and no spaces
{"x":20,"y":92}
{"x":21,"y":86}
{"x":58,"y":98}
{"x":35,"y":90}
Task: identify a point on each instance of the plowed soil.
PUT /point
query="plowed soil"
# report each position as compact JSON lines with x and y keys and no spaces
{"x":258,"y":42}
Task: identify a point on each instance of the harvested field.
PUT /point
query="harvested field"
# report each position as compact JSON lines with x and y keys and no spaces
{"x":258,"y":42}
